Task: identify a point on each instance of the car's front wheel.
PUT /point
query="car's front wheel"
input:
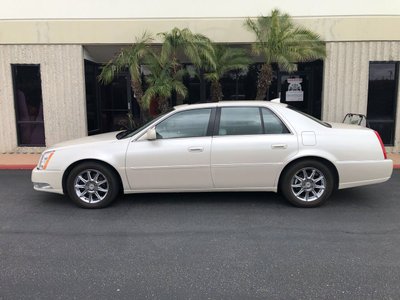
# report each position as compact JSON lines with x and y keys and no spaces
{"x":92,"y":185}
{"x":307,"y":183}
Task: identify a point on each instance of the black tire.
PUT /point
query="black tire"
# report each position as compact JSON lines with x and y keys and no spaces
{"x":323,"y":177}
{"x":94,"y":188}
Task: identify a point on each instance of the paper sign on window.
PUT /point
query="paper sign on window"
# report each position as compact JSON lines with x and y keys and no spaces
{"x":294,"y":92}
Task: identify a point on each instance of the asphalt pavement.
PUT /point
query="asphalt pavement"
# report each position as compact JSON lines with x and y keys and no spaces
{"x":199,"y":246}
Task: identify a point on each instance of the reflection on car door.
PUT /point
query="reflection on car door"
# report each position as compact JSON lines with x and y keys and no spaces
{"x":178,"y":159}
{"x":249,"y":147}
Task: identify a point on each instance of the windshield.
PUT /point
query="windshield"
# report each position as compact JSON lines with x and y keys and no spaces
{"x":310,"y":117}
{"x":131,"y":132}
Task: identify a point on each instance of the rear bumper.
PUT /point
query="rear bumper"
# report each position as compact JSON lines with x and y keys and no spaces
{"x":358,"y":173}
{"x":47,"y":181}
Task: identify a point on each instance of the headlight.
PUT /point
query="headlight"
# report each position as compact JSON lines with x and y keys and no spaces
{"x":45,"y":159}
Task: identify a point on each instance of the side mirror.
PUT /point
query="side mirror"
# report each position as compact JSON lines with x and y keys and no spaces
{"x":151,"y":134}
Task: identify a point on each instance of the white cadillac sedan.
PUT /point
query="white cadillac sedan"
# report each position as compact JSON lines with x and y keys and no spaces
{"x":226,"y":146}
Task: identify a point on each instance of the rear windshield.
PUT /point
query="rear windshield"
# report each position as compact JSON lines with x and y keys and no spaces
{"x":310,"y":117}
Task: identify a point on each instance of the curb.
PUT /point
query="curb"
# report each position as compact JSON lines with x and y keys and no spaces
{"x":17,"y":167}
{"x":396,"y":166}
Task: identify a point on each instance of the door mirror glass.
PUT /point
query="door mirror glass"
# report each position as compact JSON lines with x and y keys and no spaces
{"x":151,"y":134}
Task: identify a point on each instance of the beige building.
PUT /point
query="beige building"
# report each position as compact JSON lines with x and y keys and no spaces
{"x":51,"y":52}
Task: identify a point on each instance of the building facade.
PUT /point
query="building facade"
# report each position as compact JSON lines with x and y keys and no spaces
{"x":50,"y":55}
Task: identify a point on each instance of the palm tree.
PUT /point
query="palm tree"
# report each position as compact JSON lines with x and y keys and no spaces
{"x":162,"y":81}
{"x":225,"y":59}
{"x":130,"y":58}
{"x":197,"y":48}
{"x":279,"y":40}
{"x":166,"y":68}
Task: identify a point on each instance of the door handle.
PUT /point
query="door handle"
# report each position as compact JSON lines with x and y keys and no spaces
{"x":279,"y":146}
{"x":195,"y":149}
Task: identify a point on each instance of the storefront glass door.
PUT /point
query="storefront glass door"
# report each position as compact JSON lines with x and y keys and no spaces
{"x":382,"y":99}
{"x":107,"y":105}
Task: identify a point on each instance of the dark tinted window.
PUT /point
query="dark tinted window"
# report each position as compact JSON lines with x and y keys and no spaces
{"x":191,"y":123}
{"x":382,"y":90}
{"x":115,"y":98}
{"x":91,"y":86}
{"x":28,"y":105}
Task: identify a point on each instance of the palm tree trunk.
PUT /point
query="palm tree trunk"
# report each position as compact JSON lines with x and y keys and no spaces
{"x":264,"y":81}
{"x":136,"y":86}
{"x":216,"y":91}
{"x":163,"y":104}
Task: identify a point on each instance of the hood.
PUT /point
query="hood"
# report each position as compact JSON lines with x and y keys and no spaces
{"x":93,"y":139}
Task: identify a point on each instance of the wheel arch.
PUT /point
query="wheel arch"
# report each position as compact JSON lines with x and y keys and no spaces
{"x":73,"y":165}
{"x":325,"y":161}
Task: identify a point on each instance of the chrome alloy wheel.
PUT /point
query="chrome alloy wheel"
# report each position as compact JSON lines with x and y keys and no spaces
{"x":308,"y":184}
{"x":91,"y":186}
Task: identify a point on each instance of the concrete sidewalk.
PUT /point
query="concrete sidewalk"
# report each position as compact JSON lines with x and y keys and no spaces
{"x":29,"y":161}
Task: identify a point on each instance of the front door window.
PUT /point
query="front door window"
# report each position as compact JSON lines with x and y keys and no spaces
{"x":192,"y":123}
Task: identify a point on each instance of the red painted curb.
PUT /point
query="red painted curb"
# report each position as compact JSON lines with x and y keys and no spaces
{"x":17,"y":167}
{"x":396,"y":166}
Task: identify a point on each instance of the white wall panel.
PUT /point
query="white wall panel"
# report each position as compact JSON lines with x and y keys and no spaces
{"x":72,"y":9}
{"x":346,"y":71}
{"x":63,"y":92}
{"x":219,"y":29}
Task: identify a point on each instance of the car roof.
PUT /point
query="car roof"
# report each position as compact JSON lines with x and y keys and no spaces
{"x":229,"y":103}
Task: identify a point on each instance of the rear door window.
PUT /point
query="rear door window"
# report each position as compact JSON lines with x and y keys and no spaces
{"x":240,"y":121}
{"x":272,"y":124}
{"x":249,"y":120}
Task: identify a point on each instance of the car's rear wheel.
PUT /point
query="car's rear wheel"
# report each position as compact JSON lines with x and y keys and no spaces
{"x":92,"y":185}
{"x":307,"y":183}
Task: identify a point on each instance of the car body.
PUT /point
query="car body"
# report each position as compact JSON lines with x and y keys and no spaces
{"x":225,"y":146}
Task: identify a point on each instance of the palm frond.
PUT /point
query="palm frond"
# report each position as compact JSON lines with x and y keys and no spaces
{"x":197,"y":48}
{"x":164,"y":78}
{"x":129,"y":58}
{"x":227,"y":59}
{"x":279,"y":40}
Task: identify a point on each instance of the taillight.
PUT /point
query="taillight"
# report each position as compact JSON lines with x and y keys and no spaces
{"x":383,"y":147}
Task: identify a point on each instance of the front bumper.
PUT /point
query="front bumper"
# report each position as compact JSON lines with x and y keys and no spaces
{"x":47,"y":181}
